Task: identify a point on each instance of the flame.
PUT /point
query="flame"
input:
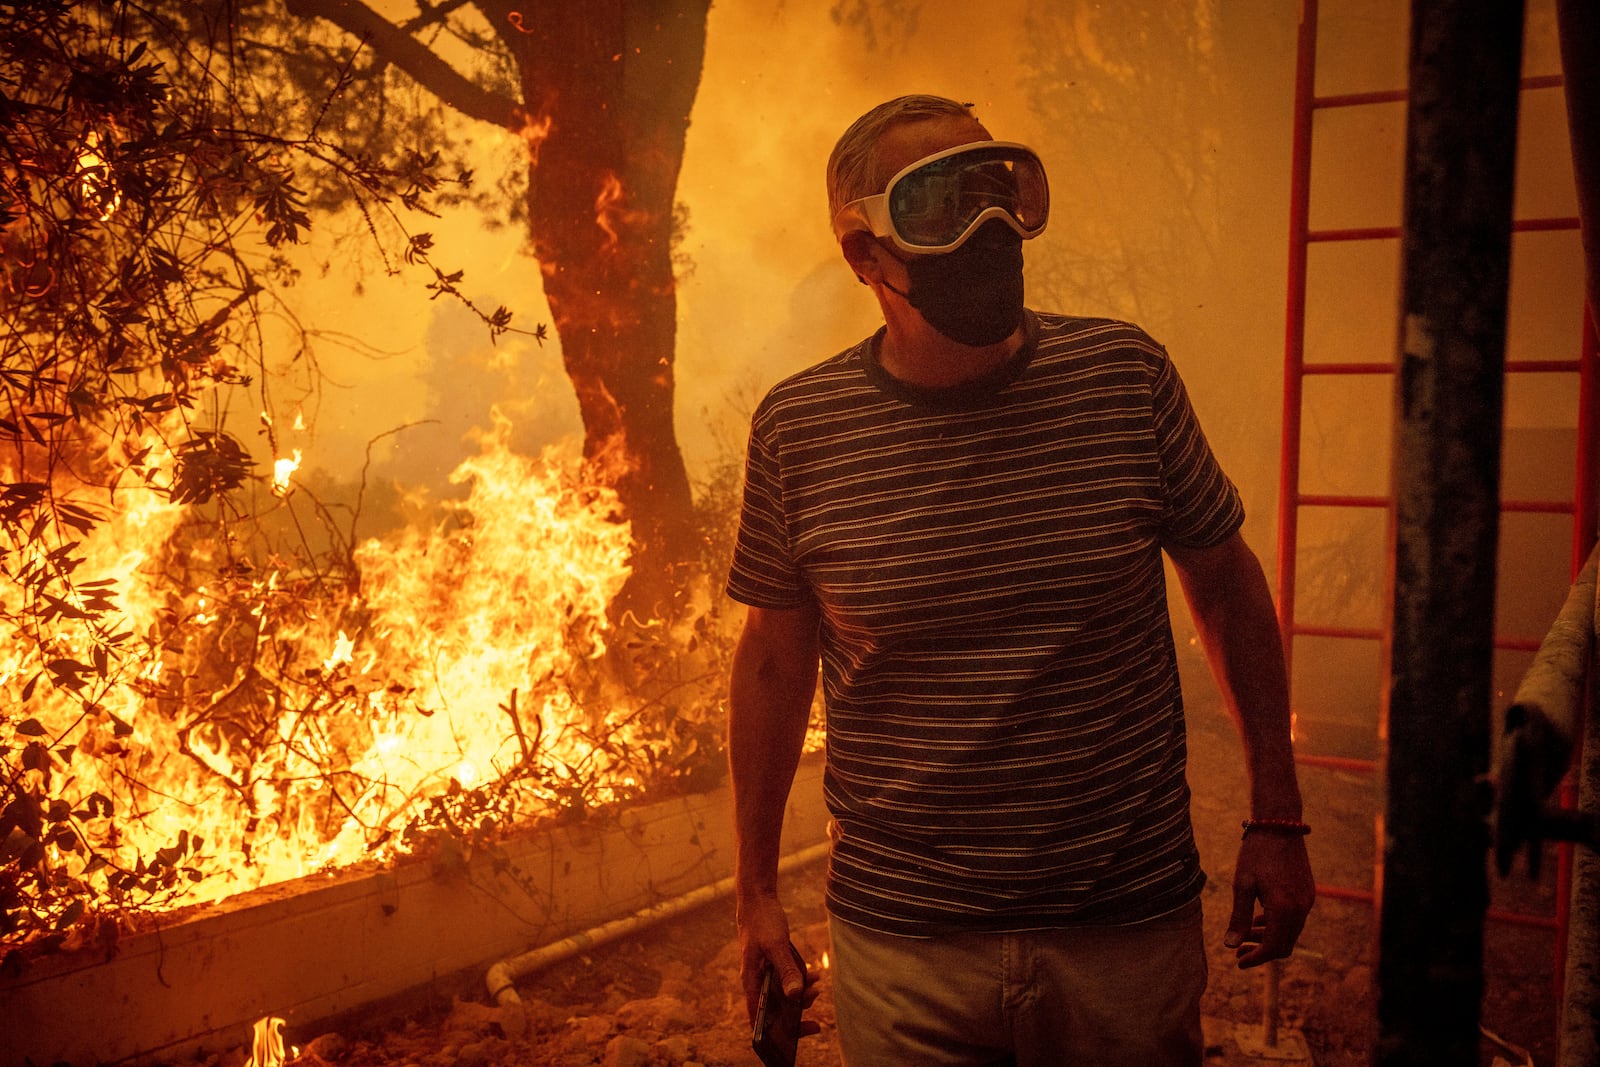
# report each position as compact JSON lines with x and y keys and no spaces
{"x":271,"y":734}
{"x":96,"y":182}
{"x":611,"y":213}
{"x":533,"y":133}
{"x":606,"y":211}
{"x":281,"y":470}
{"x":343,"y":652}
{"x":266,"y":1044}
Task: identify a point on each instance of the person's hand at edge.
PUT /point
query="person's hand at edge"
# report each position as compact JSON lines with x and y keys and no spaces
{"x":1274,"y":871}
{"x":763,"y":937}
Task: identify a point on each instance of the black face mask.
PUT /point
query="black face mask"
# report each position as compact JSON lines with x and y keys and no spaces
{"x":972,"y":295}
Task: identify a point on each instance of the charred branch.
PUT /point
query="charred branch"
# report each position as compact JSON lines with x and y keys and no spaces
{"x":397,"y":46}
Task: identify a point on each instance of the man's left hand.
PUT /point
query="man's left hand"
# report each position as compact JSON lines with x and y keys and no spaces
{"x":1272,"y":870}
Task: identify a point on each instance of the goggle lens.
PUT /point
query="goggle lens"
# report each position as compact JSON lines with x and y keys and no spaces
{"x":935,"y":204}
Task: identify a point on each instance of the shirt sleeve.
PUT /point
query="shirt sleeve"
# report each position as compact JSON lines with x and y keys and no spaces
{"x":1201,"y":505}
{"x":764,"y":573}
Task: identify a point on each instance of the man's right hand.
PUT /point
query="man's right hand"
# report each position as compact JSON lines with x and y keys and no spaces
{"x":769,"y":704}
{"x":764,"y":937}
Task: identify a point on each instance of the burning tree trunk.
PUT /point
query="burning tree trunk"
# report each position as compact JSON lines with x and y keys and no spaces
{"x":609,"y":87}
{"x":606,"y":88}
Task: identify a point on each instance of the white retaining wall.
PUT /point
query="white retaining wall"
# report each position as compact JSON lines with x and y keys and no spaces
{"x":323,"y":946}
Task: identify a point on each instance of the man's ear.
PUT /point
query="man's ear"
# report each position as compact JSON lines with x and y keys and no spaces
{"x":860,"y":251}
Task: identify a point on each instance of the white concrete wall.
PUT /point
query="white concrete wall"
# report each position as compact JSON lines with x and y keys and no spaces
{"x":316,"y":948}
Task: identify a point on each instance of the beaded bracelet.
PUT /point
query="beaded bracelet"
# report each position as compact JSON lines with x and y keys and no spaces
{"x":1276,"y":826}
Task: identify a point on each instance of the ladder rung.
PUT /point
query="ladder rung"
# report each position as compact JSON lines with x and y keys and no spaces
{"x":1516,"y":366}
{"x":1347,"y":368}
{"x":1540,"y":507}
{"x":1378,"y":96}
{"x":1391,"y":233}
{"x":1334,"y":500}
{"x":1396,"y":96}
{"x":1555,"y":222}
{"x":1360,"y":633}
{"x":1328,"y":500}
{"x":1355,"y":233}
{"x":1354,"y":633}
{"x":1338,"y":763}
{"x":1544,"y":366}
{"x":1518,"y":644}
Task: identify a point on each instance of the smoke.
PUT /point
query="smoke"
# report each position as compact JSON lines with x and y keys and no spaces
{"x":769,"y":292}
{"x":1166,"y":130}
{"x":1157,"y":191}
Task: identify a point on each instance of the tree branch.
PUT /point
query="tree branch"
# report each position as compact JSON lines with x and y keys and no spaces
{"x":432,"y":14}
{"x":406,"y":52}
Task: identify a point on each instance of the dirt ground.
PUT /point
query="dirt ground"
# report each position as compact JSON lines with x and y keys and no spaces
{"x":668,"y":998}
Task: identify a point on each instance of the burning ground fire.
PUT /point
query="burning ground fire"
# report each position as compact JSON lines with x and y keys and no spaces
{"x":266,"y":1044}
{"x":261,"y":729}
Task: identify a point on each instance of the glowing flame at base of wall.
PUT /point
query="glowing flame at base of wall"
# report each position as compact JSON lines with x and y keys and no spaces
{"x":266,"y":1045}
{"x":266,"y":732}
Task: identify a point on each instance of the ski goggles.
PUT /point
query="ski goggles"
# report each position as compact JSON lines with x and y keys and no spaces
{"x":939,"y":201}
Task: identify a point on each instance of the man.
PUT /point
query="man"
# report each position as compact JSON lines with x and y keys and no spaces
{"x":963,"y":517}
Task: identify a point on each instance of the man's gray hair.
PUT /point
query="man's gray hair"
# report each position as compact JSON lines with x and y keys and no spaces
{"x":853,"y":166}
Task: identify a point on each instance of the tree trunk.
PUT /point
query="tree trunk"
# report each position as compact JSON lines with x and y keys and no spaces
{"x":607,"y":87}
{"x":606,"y":90}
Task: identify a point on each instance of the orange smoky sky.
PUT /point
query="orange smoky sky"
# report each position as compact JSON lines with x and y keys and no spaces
{"x":1169,"y":162}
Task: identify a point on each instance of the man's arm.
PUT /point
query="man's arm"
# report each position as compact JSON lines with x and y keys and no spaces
{"x":1233,"y":612}
{"x":769,"y":704}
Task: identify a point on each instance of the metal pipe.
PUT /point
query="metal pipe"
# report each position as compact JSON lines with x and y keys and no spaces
{"x":1461,"y":133}
{"x":501,"y":977}
{"x":1269,"y":1004}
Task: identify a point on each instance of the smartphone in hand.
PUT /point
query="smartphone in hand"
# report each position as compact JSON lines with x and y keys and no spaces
{"x":776,"y":1033}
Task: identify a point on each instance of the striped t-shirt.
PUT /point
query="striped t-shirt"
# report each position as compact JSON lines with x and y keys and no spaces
{"x":1004,"y":724}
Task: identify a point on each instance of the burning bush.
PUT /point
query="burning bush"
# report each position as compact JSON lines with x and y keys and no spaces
{"x":249,"y":725}
{"x":189,"y":710}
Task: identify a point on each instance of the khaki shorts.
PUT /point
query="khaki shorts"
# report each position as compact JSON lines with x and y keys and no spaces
{"x":1106,"y":996}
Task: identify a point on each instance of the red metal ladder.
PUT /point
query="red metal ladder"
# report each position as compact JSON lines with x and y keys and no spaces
{"x":1582,"y":366}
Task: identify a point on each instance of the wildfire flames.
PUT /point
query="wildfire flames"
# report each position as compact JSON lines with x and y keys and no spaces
{"x":96,"y":182}
{"x":262,"y":734}
{"x":266,"y":1044}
